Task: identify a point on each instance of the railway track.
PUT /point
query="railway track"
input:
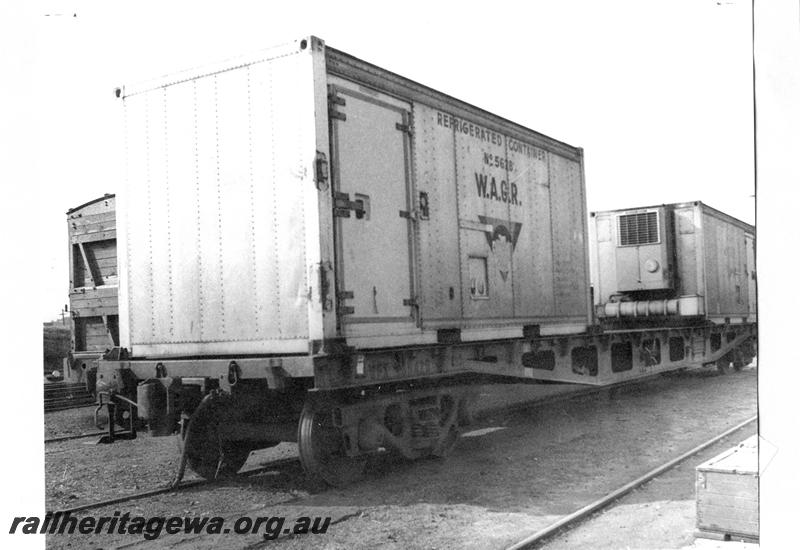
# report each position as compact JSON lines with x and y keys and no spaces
{"x":269,"y":467}
{"x":71,"y":437}
{"x":567,"y":522}
{"x":59,"y":396}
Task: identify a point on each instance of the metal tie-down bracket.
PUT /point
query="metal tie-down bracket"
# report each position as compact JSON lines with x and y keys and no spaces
{"x":111,"y":406}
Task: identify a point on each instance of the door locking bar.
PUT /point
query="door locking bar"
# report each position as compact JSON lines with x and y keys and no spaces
{"x":342,"y":205}
{"x":341,"y":296}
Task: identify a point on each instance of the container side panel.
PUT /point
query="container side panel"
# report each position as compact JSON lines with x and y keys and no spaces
{"x":207,"y":247}
{"x":158,"y":215}
{"x":262,"y":215}
{"x":123,"y":277}
{"x":488,"y":235}
{"x":686,"y":232}
{"x":738,"y":242}
{"x":219,"y":177}
{"x":530,"y":208}
{"x":739,"y":295}
{"x":725,"y":267}
{"x":505,"y":226}
{"x":234,"y":212}
{"x":292,"y":161}
{"x":751,"y":274}
{"x":713,"y":295}
{"x":570,"y":272}
{"x":606,"y":277}
{"x":134,"y":203}
{"x":439,"y":252}
{"x":182,"y":265}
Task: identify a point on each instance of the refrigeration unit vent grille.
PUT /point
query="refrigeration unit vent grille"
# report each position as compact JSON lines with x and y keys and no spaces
{"x":637,"y":229}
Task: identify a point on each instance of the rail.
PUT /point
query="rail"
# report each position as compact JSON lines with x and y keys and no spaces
{"x":539,"y":537}
{"x":59,"y":396}
{"x":269,"y":467}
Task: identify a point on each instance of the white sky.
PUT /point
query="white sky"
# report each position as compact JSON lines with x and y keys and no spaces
{"x":659,"y":94}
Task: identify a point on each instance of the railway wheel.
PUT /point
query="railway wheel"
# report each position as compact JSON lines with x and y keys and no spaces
{"x":448,"y":424}
{"x":724,"y":364}
{"x":742,"y":356}
{"x":322,"y":451}
{"x":207,"y":453}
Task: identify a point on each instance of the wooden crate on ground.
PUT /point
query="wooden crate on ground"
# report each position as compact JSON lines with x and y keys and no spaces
{"x":727,"y":493}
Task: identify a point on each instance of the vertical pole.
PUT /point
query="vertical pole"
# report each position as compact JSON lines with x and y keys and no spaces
{"x":111,"y":414}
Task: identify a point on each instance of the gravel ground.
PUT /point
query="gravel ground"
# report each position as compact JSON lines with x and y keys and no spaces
{"x":529,"y":467}
{"x":71,"y":422}
{"x":660,"y":514}
{"x":80,"y":471}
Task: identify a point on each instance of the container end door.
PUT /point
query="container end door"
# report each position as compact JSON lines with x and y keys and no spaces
{"x":371,"y":205}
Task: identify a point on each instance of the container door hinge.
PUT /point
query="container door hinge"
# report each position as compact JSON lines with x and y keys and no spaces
{"x":405,"y":128}
{"x":410,"y":302}
{"x":334,"y":101}
{"x":325,"y":286}
{"x":341,"y":296}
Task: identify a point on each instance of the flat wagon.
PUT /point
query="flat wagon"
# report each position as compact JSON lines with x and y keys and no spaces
{"x":684,"y":268}
{"x":315,"y":249}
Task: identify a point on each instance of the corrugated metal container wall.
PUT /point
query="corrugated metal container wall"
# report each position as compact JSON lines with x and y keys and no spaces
{"x":688,"y":224}
{"x":727,"y":272}
{"x":603,"y":255}
{"x":218,"y":169}
{"x":712,"y":252}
